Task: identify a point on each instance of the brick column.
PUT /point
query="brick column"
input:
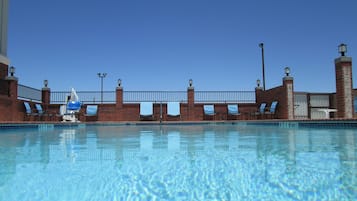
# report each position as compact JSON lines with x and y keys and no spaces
{"x":344,"y":94}
{"x":46,"y":97}
{"x":119,"y":102}
{"x":12,"y":94}
{"x":119,"y":97}
{"x":191,"y":103}
{"x":288,"y":103}
{"x":3,"y":69}
{"x":12,"y":87}
{"x":258,"y":93}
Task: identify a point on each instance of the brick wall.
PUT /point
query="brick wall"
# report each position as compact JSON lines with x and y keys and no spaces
{"x":270,"y":95}
{"x":283,"y":94}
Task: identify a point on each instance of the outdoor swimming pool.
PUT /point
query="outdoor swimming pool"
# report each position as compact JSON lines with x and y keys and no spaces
{"x":178,"y":162}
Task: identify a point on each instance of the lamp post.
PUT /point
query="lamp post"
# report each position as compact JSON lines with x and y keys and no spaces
{"x":45,"y":83}
{"x":119,"y":82}
{"x":287,"y":71}
{"x":342,"y":49}
{"x":261,"y":45}
{"x":101,"y":76}
{"x":190,"y":83}
{"x":12,"y":71}
{"x":258,"y":83}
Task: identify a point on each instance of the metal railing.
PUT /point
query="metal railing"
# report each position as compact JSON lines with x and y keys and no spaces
{"x":224,"y":96}
{"x":154,"y":96}
{"x":86,"y":97}
{"x":109,"y":97}
{"x":28,"y":93}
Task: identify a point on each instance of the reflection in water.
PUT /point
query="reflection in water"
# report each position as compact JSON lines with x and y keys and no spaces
{"x":212,"y":162}
{"x":233,"y":140}
{"x":173,"y":141}
{"x":146,"y":141}
{"x":67,"y":140}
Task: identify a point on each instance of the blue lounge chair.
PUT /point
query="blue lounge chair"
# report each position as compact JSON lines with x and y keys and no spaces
{"x":232,"y":110}
{"x":272,"y":109}
{"x":146,"y":110}
{"x":91,"y":110}
{"x":273,"y":106}
{"x":41,"y":112}
{"x":262,"y":108}
{"x":208,"y":110}
{"x":260,"y":111}
{"x":173,"y":109}
{"x":91,"y":113}
{"x":29,"y":111}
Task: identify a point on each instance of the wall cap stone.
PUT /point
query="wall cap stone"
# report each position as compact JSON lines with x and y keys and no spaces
{"x":343,"y":59}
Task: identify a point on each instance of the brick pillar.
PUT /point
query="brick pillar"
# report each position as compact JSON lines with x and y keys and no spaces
{"x":3,"y":70}
{"x":12,"y":87}
{"x":119,"y":97}
{"x":46,"y":97}
{"x":12,"y":94}
{"x":119,"y":104}
{"x":191,"y":103}
{"x":287,"y":105}
{"x":258,"y":94}
{"x":344,"y":94}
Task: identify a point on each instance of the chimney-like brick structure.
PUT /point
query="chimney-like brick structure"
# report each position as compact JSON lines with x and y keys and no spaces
{"x":288,"y":86}
{"x":191,"y":103}
{"x":119,"y":97}
{"x":46,"y":97}
{"x":344,"y":88}
{"x":3,"y":70}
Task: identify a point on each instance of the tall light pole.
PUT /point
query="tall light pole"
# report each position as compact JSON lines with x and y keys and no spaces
{"x":261,"y":45}
{"x":101,"y":76}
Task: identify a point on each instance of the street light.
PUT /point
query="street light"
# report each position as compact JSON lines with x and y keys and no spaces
{"x":261,"y":45}
{"x":101,"y":76}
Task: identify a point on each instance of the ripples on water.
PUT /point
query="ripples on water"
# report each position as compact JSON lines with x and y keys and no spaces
{"x":221,"y":162}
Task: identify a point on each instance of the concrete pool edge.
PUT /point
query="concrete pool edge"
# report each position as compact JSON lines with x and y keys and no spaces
{"x":336,"y":123}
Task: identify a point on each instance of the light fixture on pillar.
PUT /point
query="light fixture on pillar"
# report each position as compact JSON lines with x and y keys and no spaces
{"x":190,"y":83}
{"x":119,"y":82}
{"x":342,"y":49}
{"x":12,"y":71}
{"x":258,"y":82}
{"x":287,"y":71}
{"x":45,"y":83}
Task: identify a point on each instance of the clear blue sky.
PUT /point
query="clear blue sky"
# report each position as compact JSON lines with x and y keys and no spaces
{"x":161,"y":44}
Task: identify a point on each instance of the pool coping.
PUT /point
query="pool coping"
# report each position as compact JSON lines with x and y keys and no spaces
{"x":333,"y":123}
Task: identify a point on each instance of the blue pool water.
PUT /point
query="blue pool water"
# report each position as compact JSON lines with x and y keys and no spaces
{"x":177,"y":162}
